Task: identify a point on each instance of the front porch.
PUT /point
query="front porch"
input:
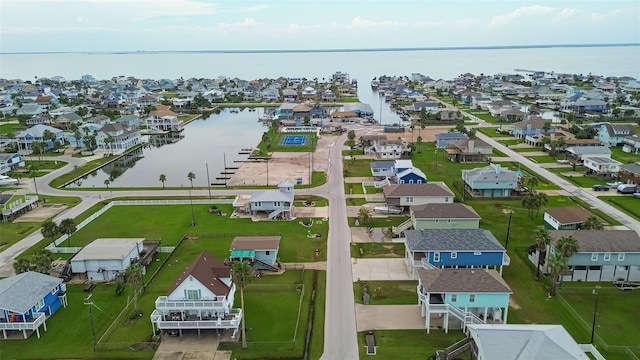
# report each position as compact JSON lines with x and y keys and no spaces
{"x":25,"y":325}
{"x":195,"y":320}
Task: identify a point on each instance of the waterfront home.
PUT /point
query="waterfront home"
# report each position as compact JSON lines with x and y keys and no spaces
{"x":163,"y":119}
{"x":444,"y":139}
{"x":275,"y":203}
{"x":27,"y":300}
{"x":490,"y":181}
{"x":130,"y":121}
{"x":613,"y":134}
{"x":31,"y":109}
{"x":328,"y":96}
{"x":318,"y":111}
{"x":200,"y":298}
{"x":10,"y":161}
{"x":444,"y":216}
{"x":260,"y":251}
{"x":453,"y":248}
{"x":581,"y":152}
{"x":47,"y":101}
{"x":388,"y":149}
{"x":603,"y":255}
{"x":105,"y":259}
{"x":65,"y":120}
{"x":360,"y":109}
{"x":630,"y":173}
{"x":117,"y":138}
{"x":98,"y":119}
{"x":565,"y":218}
{"x":270,"y":94}
{"x":417,"y":194}
{"x":631,"y":144}
{"x":601,"y":166}
{"x":35,"y":120}
{"x":26,"y":138}
{"x":428,"y":105}
{"x":583,"y":106}
{"x":289,"y":95}
{"x":529,"y":127}
{"x":464,"y":296}
{"x":512,"y":115}
{"x":469,"y":150}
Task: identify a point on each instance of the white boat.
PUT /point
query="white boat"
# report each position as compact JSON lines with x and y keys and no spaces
{"x":265,"y":117}
{"x":7,"y":181}
{"x":387,"y":210}
{"x":388,"y":95}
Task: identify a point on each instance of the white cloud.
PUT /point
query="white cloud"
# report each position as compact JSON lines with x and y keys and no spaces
{"x":605,"y":16}
{"x":565,"y":14}
{"x":501,"y":20}
{"x":247,"y":22}
{"x":360,"y":23}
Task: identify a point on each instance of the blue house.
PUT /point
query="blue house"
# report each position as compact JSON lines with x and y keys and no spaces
{"x":26,"y":138}
{"x":459,"y":248}
{"x":411,"y":176}
{"x":275,"y":203}
{"x":444,"y":139}
{"x":490,"y":181}
{"x":27,"y":299}
{"x":260,"y":251}
{"x":462,"y":297}
{"x":10,"y":161}
{"x":614,"y":134}
{"x":530,"y":127}
{"x":401,"y":171}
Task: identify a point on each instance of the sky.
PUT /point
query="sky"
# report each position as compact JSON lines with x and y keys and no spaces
{"x":182,"y":25}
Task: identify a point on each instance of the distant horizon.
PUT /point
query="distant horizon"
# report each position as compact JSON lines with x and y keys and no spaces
{"x":328,"y":50}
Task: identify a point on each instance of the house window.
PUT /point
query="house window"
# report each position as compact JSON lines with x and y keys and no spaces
{"x":454,"y":297}
{"x":620,"y":256}
{"x":276,"y":203}
{"x":607,"y":256}
{"x":437,"y":220}
{"x":446,"y":199}
{"x":401,"y":181}
{"x":192,"y":294}
{"x":477,"y":253}
{"x":40,"y":304}
{"x":436,"y":257}
{"x":594,"y":257}
{"x":454,"y":255}
{"x":419,"y":182}
{"x":258,"y":204}
{"x":472,"y":298}
{"x":53,"y":292}
{"x":409,"y":199}
{"x":411,"y":181}
{"x":267,"y":252}
{"x":448,"y":220}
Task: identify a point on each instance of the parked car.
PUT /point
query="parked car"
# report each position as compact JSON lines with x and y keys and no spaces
{"x":600,"y":188}
{"x":627,"y":188}
{"x":636,"y":195}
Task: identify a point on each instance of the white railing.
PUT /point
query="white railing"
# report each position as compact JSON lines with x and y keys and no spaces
{"x":589,"y":348}
{"x":506,"y":260}
{"x":29,"y":325}
{"x":466,"y":317}
{"x":166,"y":249}
{"x":162,"y":303}
{"x":156,"y":317}
{"x":426,"y":264}
{"x":402,"y":227}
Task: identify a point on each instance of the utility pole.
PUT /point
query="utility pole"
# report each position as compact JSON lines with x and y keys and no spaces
{"x":506,"y":244}
{"x":193,"y":215}
{"x":93,"y":327}
{"x":209,"y":181}
{"x":595,"y":313}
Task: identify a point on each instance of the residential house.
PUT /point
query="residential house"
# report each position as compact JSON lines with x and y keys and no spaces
{"x":98,"y":120}
{"x":583,"y":106}
{"x":117,"y":138}
{"x":129,"y":121}
{"x":105,"y":259}
{"x":565,"y":218}
{"x":533,"y":341}
{"x":26,"y":138}
{"x":601,"y":166}
{"x":289,"y":95}
{"x":163,"y":119}
{"x":328,"y":96}
{"x":260,"y":251}
{"x":390,"y":149}
{"x":630,"y":173}
{"x":65,"y":121}
{"x":147,"y":100}
{"x":382,"y":169}
{"x":451,"y":116}
{"x":47,"y":101}
{"x":444,"y":216}
{"x":428,"y":105}
{"x":581,"y":152}
{"x":417,"y":194}
{"x":318,"y":111}
{"x":513,"y":115}
{"x":300,"y":112}
{"x":490,"y":181}
{"x":603,"y":255}
{"x":469,"y":150}
{"x":410,"y":175}
{"x":531,"y":127}
{"x":444,"y":139}
{"x":276,"y":203}
{"x":453,"y":248}
{"x":31,"y":109}
{"x":10,"y":161}
{"x":631,"y":144}
{"x":361,"y":109}
{"x":369,"y":141}
{"x":270,"y":94}
{"x":285,"y":111}
{"x":27,"y":300}
{"x":466,"y":296}
{"x":201,"y":298}
{"x":83,"y":130}
{"x":614,"y":134}
{"x":35,"y":120}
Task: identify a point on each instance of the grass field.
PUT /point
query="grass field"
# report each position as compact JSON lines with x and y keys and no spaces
{"x":627,"y":203}
{"x":357,"y":168}
{"x":545,"y":159}
{"x":526,"y":150}
{"x":377,"y":250}
{"x":618,"y":154}
{"x":491,"y":132}
{"x":387,"y":292}
{"x":408,"y":344}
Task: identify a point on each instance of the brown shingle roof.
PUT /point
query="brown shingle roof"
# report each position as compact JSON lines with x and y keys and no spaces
{"x":429,"y":189}
{"x":43,"y":99}
{"x":255,"y":243}
{"x":601,"y":240}
{"x":462,"y":280}
{"x":569,"y":214}
{"x":208,"y":271}
{"x":444,"y":211}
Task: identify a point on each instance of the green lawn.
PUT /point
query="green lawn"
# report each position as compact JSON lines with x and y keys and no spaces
{"x":527,"y":149}
{"x":377,"y":250}
{"x":628,"y":204}
{"x":545,"y":159}
{"x":511,"y":141}
{"x":618,"y":154}
{"x":387,"y":292}
{"x":353,"y":188}
{"x":352,"y":152}
{"x":485,"y":116}
{"x":275,"y":143}
{"x":585,"y":181}
{"x":491,"y":132}
{"x":356,"y":201}
{"x":408,"y":344}
{"x":381,"y":222}
{"x":10,"y":129}
{"x":357,"y":168}
{"x":45,"y":164}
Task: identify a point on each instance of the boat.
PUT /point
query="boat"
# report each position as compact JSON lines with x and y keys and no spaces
{"x":7,"y":181}
{"x":265,"y":117}
{"x":375,"y":84}
{"x":387,"y":210}
{"x":388,"y":95}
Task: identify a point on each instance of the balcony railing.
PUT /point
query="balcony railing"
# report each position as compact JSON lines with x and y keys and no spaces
{"x":163,"y":303}
{"x":426,"y":264}
{"x":230,"y":322}
{"x":30,"y":324}
{"x":506,"y":260}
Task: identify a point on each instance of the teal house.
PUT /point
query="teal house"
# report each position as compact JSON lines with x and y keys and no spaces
{"x":260,"y":251}
{"x":490,"y":181}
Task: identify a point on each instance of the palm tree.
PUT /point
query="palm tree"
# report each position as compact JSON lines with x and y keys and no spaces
{"x":67,"y":226}
{"x":557,"y":264}
{"x":532,"y":182}
{"x":108,"y":141}
{"x":42,"y":261}
{"x":364,"y":215}
{"x":22,"y":265}
{"x":133,"y":276}
{"x":593,"y":223}
{"x":567,"y":246}
{"x":540,"y":200}
{"x":419,"y":142}
{"x":543,"y":239}
{"x":107,"y":182}
{"x":37,"y":148}
{"x":529,"y":203}
{"x":163,"y":178}
{"x":49,"y":229}
{"x":191,"y":176}
{"x":241,"y":273}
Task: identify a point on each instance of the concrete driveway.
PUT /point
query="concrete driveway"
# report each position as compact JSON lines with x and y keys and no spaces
{"x":190,"y":346}
{"x":379,"y":269}
{"x":388,"y":317}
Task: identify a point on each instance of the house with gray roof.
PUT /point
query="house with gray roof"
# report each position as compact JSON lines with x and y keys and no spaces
{"x":565,"y":218}
{"x":630,"y":173}
{"x":417,"y":194}
{"x":614,"y":134}
{"x":603,"y":255}
{"x":631,"y":144}
{"x":277,"y":204}
{"x":444,"y":139}
{"x":581,"y":152}
{"x":469,"y":150}
{"x":27,"y":300}
{"x":117,"y":138}
{"x":462,"y":297}
{"x":459,"y":248}
{"x":26,"y":138}
{"x":444,"y":216}
{"x":490,"y":181}
{"x":105,"y":259}
{"x":602,"y":166}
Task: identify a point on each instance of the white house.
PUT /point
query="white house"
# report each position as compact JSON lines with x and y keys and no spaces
{"x":116,"y":138}
{"x":201,"y":298}
{"x":601,"y":165}
{"x":164,"y":119}
{"x":104,"y":259}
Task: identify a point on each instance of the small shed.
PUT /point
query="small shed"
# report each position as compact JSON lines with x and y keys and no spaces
{"x":104,"y":259}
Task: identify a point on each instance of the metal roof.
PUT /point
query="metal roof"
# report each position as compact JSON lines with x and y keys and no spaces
{"x":20,"y":292}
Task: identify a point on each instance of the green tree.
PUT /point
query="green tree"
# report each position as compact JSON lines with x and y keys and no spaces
{"x":351,"y":135}
{"x":557,"y":265}
{"x":82,"y":111}
{"x":133,"y":276}
{"x":567,"y":246}
{"x":67,"y":226}
{"x":107,"y":182}
{"x":306,"y":120}
{"x":419,"y":141}
{"x":529,"y":203}
{"x":593,"y":223}
{"x":108,"y":141}
{"x":364,"y":215}
{"x":22,"y":265}
{"x":37,"y":147}
{"x":241,"y":273}
{"x":49,"y":229}
{"x":191,"y":176}
{"x":543,"y":240}
{"x":163,"y":178}
{"x":540,"y":200}
{"x":532,"y":182}
{"x":41,"y":261}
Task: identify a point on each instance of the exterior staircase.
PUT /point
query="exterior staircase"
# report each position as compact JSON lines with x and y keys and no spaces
{"x":382,"y":183}
{"x":454,"y":351}
{"x":397,"y":230}
{"x":276,"y":212}
{"x":269,"y":267}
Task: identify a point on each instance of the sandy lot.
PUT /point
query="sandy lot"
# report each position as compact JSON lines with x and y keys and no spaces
{"x":41,"y":213}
